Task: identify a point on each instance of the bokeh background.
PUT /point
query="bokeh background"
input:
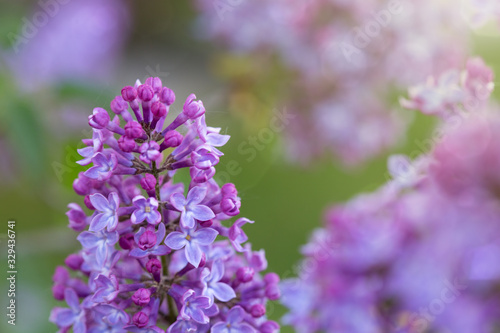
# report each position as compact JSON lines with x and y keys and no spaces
{"x":80,"y":59}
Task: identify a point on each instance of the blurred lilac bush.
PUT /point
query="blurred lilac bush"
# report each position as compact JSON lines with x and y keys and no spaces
{"x":347,"y":59}
{"x":155,"y":255}
{"x":420,"y":254}
{"x":68,"y":40}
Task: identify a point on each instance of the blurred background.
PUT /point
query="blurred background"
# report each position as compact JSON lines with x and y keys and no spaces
{"x":60,"y":59}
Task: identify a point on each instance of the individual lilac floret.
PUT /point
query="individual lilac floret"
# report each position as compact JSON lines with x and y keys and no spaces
{"x":192,"y":242}
{"x":236,"y":235}
{"x":145,"y":209}
{"x":149,"y":259}
{"x":106,"y":289}
{"x":190,"y":207}
{"x":194,"y":307}
{"x":234,"y":323}
{"x":107,"y":216}
{"x":103,"y":167}
{"x":149,"y":242}
{"x":74,"y":316}
{"x":212,"y":287}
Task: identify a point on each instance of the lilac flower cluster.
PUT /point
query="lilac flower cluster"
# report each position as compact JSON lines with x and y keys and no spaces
{"x":346,"y":59}
{"x":153,"y":257}
{"x":420,"y":254}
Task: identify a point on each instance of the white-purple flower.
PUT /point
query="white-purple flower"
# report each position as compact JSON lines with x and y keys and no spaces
{"x":103,"y":167}
{"x":192,"y":242}
{"x":107,"y":216}
{"x":212,"y":287}
{"x":101,"y":243}
{"x":107,"y":289}
{"x":194,"y":307}
{"x":145,"y":209}
{"x":75,"y":316}
{"x":190,"y":207}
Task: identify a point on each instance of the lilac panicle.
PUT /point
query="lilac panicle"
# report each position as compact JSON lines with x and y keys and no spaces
{"x":420,"y":254}
{"x":155,"y":255}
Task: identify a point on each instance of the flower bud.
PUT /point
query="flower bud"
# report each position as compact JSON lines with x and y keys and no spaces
{"x":155,"y":83}
{"x":133,"y":130}
{"x":118,"y":105}
{"x":74,"y":261}
{"x":142,"y":297}
{"x":257,"y":310}
{"x":245,"y":274}
{"x":99,"y":119}
{"x":140,"y":319}
{"x":158,"y":109}
{"x":129,"y":93}
{"x":167,"y":96}
{"x":145,"y":93}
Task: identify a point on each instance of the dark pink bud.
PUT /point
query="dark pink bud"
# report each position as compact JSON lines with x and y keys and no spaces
{"x":147,"y":240}
{"x":245,"y":274}
{"x":153,"y":265}
{"x":126,"y":144}
{"x":74,"y":261}
{"x":257,"y":310}
{"x":230,"y":206}
{"x":172,"y":139}
{"x":141,"y":297}
{"x":61,"y":275}
{"x":133,"y":130}
{"x":273,"y":292}
{"x":140,"y":319}
{"x":77,"y":217}
{"x":271,"y":278}
{"x":148,"y":182}
{"x":206,"y":224}
{"x":82,"y":185}
{"x":269,"y":327}
{"x":58,"y":291}
{"x":158,"y":109}
{"x":155,"y":83}
{"x":193,"y":109}
{"x":88,"y":203}
{"x":126,"y":241}
{"x":118,"y":105}
{"x":99,"y":119}
{"x":129,"y":93}
{"x":145,"y":92}
{"x":167,"y":96}
{"x":229,"y":190}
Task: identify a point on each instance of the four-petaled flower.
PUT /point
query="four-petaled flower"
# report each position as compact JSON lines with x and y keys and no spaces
{"x":146,"y":209}
{"x":190,"y":207}
{"x":234,"y":323}
{"x":193,"y":307}
{"x":192,"y":241}
{"x":212,"y":285}
{"x":101,"y":242}
{"x":75,"y":316}
{"x":149,"y":242}
{"x":103,"y":167}
{"x":107,"y":289}
{"x":107,"y":208}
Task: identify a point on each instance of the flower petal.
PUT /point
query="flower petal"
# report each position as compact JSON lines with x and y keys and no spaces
{"x":193,"y":253}
{"x":176,"y":240}
{"x":205,"y":236}
{"x":222,"y":291}
{"x":99,"y":202}
{"x":178,"y":201}
{"x":201,"y":212}
{"x":100,"y":221}
{"x":196,"y":195}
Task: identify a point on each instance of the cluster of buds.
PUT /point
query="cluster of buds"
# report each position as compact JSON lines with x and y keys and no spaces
{"x":155,"y":256}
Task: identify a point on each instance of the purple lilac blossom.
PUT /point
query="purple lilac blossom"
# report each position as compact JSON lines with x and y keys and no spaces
{"x":150,"y":260}
{"x":420,"y":254}
{"x":347,"y":59}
